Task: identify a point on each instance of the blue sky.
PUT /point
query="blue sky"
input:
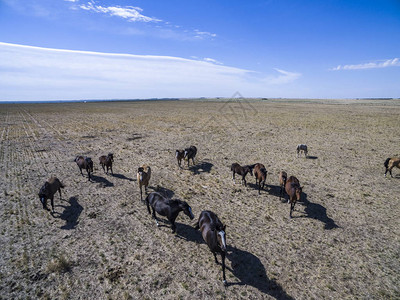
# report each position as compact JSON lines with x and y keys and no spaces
{"x":119,"y":49}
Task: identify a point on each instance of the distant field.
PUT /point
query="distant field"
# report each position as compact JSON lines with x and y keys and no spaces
{"x":343,"y":242}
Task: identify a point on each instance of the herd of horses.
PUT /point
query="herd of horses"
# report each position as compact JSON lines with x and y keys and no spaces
{"x":210,"y":226}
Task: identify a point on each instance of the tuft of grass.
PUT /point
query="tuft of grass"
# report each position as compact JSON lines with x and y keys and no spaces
{"x":60,"y":264}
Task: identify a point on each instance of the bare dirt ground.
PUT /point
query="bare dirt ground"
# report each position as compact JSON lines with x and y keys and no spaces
{"x":101,"y":243}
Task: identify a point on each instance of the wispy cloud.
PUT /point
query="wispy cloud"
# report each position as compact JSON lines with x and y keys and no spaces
{"x":212,"y":60}
{"x":33,"y":73}
{"x":203,"y":34}
{"x":130,"y":13}
{"x":395,"y":62}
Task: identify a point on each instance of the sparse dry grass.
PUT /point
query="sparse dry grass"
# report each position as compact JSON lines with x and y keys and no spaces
{"x":342,"y":243}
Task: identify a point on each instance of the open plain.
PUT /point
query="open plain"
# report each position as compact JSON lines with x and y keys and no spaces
{"x":343,"y":241}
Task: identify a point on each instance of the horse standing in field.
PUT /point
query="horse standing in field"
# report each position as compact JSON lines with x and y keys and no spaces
{"x":282,"y":182}
{"x":293,"y":189}
{"x":390,"y":163}
{"x":48,"y":190}
{"x":179,"y":154}
{"x":213,"y":232}
{"x":302,"y":147}
{"x":106,"y":161}
{"x":143,"y":178}
{"x":85,"y":163}
{"x":190,"y":153}
{"x":238,"y":169}
{"x":260,"y":173}
{"x":169,"y":208}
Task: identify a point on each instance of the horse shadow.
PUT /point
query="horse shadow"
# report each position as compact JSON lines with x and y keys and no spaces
{"x":250,"y":271}
{"x":202,"y":167}
{"x":274,"y":190}
{"x":318,"y":212}
{"x":70,"y":214}
{"x":311,"y":157}
{"x":103,"y":181}
{"x":188,"y":233}
{"x":163,"y":191}
{"x":120,"y":176}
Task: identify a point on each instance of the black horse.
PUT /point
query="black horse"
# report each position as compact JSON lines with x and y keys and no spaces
{"x":48,"y":190}
{"x":106,"y":162}
{"x":190,"y":153}
{"x":85,"y":163}
{"x":213,"y":232}
{"x":236,"y":168}
{"x":169,"y":208}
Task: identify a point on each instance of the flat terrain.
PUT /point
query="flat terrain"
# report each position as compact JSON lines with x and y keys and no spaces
{"x":343,"y":242}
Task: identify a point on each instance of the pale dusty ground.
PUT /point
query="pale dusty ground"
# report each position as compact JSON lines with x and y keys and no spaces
{"x":343,"y":242}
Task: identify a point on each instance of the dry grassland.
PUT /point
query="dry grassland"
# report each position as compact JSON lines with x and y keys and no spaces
{"x":101,"y":243}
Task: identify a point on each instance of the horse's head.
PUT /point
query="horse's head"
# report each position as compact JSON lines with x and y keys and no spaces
{"x":44,"y":193}
{"x":140,"y":171}
{"x":249,"y":169}
{"x":221,"y":237}
{"x":187,"y":210}
{"x":186,"y":153}
{"x":179,"y":153}
{"x":111,"y":156}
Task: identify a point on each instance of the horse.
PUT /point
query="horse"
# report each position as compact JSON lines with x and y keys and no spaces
{"x":293,"y":189}
{"x":48,"y":190}
{"x":260,"y":173}
{"x":213,"y":232}
{"x":143,"y":178}
{"x":282,"y":182}
{"x":390,"y":163}
{"x":169,"y":208}
{"x":179,"y":154}
{"x":190,"y":153}
{"x":85,"y":163}
{"x":302,"y":147}
{"x":106,"y":161}
{"x":236,"y":168}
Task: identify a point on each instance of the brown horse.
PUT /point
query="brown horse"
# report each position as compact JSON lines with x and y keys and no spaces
{"x":282,"y":182}
{"x":143,"y":178}
{"x":48,"y":190}
{"x":213,"y":232}
{"x":390,"y":163}
{"x":106,"y":161}
{"x":293,"y":189}
{"x":260,"y":173}
{"x":85,"y":163}
{"x":179,"y":154}
{"x":238,"y":169}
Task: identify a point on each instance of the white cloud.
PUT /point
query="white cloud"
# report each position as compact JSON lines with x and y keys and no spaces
{"x":203,"y":34}
{"x":132,"y":14}
{"x":211,"y":60}
{"x":395,"y":62}
{"x":33,"y":73}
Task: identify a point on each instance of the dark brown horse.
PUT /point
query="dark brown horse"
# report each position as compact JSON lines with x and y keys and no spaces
{"x":293,"y":189}
{"x":190,"y":153}
{"x":169,"y":208}
{"x":213,"y":232}
{"x":48,"y":190}
{"x":179,"y":154}
{"x":282,"y":182}
{"x":85,"y":163}
{"x":106,"y":162}
{"x":260,"y":173}
{"x":390,"y":163}
{"x":238,"y":169}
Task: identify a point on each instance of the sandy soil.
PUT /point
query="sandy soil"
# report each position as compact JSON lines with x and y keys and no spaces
{"x":101,"y":243}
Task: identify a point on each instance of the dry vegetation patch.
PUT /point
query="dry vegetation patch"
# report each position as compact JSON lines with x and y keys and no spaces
{"x":343,"y":241}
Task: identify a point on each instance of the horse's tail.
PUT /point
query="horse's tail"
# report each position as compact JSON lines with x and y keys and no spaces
{"x":386,"y":164}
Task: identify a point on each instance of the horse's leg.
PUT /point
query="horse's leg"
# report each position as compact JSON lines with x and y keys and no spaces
{"x":173,"y":226}
{"x":223,"y":267}
{"x":390,"y":171}
{"x":59,"y":191}
{"x":233,"y":176}
{"x":52,"y":203}
{"x":291,"y":208}
{"x":81,"y":171}
{"x":154,"y":216}
{"x":111,"y":170}
{"x":215,"y":256}
{"x":244,"y":180}
{"x":141,"y":194}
